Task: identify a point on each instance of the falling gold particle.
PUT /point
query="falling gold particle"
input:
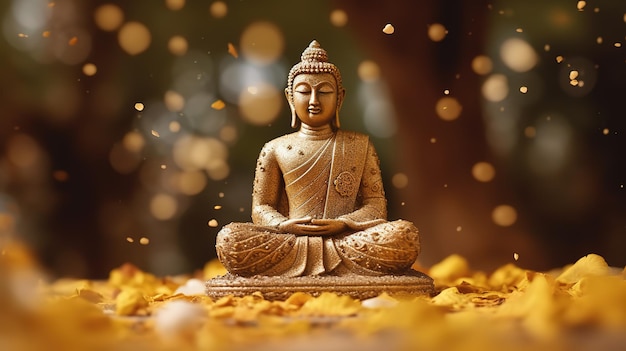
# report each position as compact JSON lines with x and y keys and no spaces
{"x":433,"y":140}
{"x":217,"y":207}
{"x":581,"y":5}
{"x":174,"y":126}
{"x":448,"y":108}
{"x":573,"y":82}
{"x":73,"y":41}
{"x":573,"y":75}
{"x":213,"y":223}
{"x":605,"y":131}
{"x":163,"y":166}
{"x":530,"y":132}
{"x":218,"y":9}
{"x":515,"y":256}
{"x":482,"y":65}
{"x":155,"y":133}
{"x":46,"y":34}
{"x":459,"y":228}
{"x":519,"y":30}
{"x":139,"y":106}
{"x":559,"y":59}
{"x":437,"y":32}
{"x":446,"y":92}
{"x":22,"y":35}
{"x":232,"y":50}
{"x":618,"y":45}
{"x":89,"y":69}
{"x":599,"y":40}
{"x":504,"y":215}
{"x":483,"y":172}
{"x":60,"y":175}
{"x":220,"y":195}
{"x":523,"y":89}
{"x":388,"y":29}
{"x":144,"y":241}
{"x":338,"y":18}
{"x":218,"y":105}
{"x":130,"y":240}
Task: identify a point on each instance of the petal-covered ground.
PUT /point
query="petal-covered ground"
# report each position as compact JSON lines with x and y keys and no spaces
{"x":578,"y":307}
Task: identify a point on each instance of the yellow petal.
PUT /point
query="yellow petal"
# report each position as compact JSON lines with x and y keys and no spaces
{"x":588,"y":266}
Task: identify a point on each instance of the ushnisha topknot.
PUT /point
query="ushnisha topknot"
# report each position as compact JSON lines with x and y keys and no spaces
{"x":313,"y":60}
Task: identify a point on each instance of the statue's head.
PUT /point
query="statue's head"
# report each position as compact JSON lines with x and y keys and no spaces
{"x":314,"y":61}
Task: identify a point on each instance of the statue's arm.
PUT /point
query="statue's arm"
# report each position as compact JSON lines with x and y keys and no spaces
{"x":267,"y":189}
{"x":373,"y":208}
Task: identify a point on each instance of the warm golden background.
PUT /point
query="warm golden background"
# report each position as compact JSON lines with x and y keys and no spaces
{"x":500,"y":124}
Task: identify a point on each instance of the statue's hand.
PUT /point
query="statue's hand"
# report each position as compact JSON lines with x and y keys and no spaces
{"x":352,"y":224}
{"x":328,"y":226}
{"x":293,"y":225}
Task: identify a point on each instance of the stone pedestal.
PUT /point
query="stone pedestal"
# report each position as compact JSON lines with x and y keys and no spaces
{"x":355,"y":286}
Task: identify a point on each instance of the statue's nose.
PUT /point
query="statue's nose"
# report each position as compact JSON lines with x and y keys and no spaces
{"x":313,"y":100}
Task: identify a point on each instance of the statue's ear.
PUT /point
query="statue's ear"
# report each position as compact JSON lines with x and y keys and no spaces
{"x":292,"y":107}
{"x":340,"y":96}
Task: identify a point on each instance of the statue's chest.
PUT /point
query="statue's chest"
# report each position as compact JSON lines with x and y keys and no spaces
{"x":292,"y":155}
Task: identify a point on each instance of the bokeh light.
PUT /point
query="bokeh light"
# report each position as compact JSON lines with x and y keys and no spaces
{"x":134,"y":38}
{"x":260,"y":104}
{"x":518,"y":55}
{"x":218,"y":9}
{"x":368,"y":70}
{"x":175,"y":5}
{"x":437,"y":32}
{"x":448,"y":108}
{"x":177,"y":45}
{"x":174,"y":101}
{"x":163,"y":206}
{"x":495,"y":88}
{"x":482,"y":65}
{"x":400,"y":180}
{"x":338,"y":18}
{"x":504,"y":215}
{"x":262,"y":42}
{"x":483,"y":172}
{"x":89,"y":69}
{"x":108,"y":17}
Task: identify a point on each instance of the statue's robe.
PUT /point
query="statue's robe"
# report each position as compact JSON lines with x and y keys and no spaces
{"x":330,"y":178}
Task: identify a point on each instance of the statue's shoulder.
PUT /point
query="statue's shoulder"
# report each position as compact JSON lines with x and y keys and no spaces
{"x":278,"y":142}
{"x":353,"y":136}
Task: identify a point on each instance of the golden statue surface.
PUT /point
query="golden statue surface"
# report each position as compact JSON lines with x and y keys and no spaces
{"x":319,"y":212}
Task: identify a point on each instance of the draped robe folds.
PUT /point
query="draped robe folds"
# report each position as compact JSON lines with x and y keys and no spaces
{"x":340,"y":177}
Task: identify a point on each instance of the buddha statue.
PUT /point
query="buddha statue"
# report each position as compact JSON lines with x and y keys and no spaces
{"x":318,"y":204}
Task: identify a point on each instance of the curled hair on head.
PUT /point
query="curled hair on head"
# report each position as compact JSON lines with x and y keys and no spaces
{"x":314,"y":60}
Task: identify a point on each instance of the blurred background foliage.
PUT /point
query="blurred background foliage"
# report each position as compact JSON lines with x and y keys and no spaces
{"x":129,"y":129}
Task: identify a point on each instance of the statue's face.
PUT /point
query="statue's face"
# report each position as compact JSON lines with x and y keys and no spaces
{"x":315,"y":98}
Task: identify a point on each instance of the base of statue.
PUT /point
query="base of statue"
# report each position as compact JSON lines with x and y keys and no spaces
{"x":356,"y":286}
